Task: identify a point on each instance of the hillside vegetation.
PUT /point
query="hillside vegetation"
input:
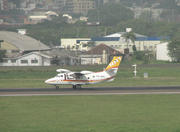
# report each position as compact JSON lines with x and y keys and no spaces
{"x":113,"y":17}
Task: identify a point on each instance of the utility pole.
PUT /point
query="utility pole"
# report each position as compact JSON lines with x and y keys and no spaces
{"x":135,"y":70}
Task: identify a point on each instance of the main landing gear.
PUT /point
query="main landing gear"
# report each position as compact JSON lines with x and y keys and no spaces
{"x":57,"y":87}
{"x":76,"y":86}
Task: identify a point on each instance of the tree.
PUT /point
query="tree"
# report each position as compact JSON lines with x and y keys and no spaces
{"x":129,"y":36}
{"x":2,"y":55}
{"x":111,"y":14}
{"x":168,"y":4}
{"x":174,"y":50}
{"x":90,"y":44}
{"x":134,"y":48}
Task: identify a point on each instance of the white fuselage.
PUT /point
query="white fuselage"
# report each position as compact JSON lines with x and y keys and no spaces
{"x":92,"y":78}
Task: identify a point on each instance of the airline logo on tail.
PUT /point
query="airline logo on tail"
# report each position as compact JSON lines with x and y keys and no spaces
{"x":114,"y":63}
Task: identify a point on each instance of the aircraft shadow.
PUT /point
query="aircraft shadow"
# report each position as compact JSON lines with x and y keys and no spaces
{"x":89,"y":89}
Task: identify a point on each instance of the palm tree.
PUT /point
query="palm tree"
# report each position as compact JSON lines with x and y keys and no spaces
{"x":129,"y":36}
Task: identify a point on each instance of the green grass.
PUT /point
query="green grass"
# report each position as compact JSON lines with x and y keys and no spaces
{"x":118,"y":113}
{"x":33,"y":77}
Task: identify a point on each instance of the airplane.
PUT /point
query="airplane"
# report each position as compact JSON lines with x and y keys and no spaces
{"x":76,"y":79}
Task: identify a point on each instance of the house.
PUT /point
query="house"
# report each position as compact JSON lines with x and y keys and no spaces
{"x":40,"y":17}
{"x":37,"y":19}
{"x":43,"y":58}
{"x":162,"y":52}
{"x":100,"y":54}
{"x":16,"y":44}
{"x":63,"y":57}
{"x":30,"y":59}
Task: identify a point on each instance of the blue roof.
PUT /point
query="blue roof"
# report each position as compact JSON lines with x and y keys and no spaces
{"x":118,"y":38}
{"x":105,"y":39}
{"x":151,"y":38}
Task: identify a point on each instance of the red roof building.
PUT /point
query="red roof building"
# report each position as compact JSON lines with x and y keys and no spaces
{"x":99,"y":49}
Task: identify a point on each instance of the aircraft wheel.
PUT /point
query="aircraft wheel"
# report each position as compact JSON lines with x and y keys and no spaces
{"x":57,"y":87}
{"x":79,"y":86}
{"x":74,"y":86}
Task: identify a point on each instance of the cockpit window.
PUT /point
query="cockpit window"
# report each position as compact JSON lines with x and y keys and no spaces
{"x":59,"y":75}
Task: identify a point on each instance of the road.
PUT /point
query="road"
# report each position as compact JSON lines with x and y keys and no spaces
{"x":89,"y":91}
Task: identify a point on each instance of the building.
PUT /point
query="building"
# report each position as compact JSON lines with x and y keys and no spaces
{"x":116,"y":41}
{"x":37,"y":19}
{"x":4,"y":4}
{"x":142,"y":42}
{"x":16,"y":44}
{"x":99,"y":3}
{"x":30,"y":59}
{"x":63,"y":57}
{"x":100,"y":54}
{"x":148,"y":13}
{"x":75,"y":43}
{"x":40,"y":17}
{"x":162,"y":52}
{"x":59,"y":5}
{"x":43,"y":58}
{"x":79,"y":6}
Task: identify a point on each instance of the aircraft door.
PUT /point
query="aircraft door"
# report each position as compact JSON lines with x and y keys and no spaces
{"x":65,"y":77}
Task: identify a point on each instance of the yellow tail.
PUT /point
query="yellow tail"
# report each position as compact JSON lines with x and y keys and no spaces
{"x":114,"y":63}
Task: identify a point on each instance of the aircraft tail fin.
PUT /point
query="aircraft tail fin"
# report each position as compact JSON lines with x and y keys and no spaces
{"x":114,"y":64}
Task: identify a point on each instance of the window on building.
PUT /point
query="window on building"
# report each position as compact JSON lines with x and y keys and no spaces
{"x":24,"y":61}
{"x":34,"y":61}
{"x":145,"y":48}
{"x":151,"y":47}
{"x":1,"y":41}
{"x":5,"y":61}
{"x":13,"y":61}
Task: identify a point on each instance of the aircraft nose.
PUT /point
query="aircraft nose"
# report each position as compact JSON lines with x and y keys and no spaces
{"x":50,"y":81}
{"x":47,"y":81}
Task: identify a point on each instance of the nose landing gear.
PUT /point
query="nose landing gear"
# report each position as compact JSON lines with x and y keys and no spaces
{"x":76,"y":86}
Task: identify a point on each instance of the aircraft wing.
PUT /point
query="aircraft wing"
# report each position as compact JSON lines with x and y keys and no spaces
{"x":79,"y":75}
{"x":63,"y":70}
{"x":76,"y":75}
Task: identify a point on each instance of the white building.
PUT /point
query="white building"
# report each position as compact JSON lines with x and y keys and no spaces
{"x":116,"y":41}
{"x":30,"y":59}
{"x":91,"y":59}
{"x":152,"y":13}
{"x":75,"y":43}
{"x":38,"y":19}
{"x":162,"y":52}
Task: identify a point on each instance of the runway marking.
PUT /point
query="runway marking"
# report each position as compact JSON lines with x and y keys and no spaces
{"x":92,"y":94}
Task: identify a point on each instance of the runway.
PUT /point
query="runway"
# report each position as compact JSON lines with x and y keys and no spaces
{"x":89,"y":91}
